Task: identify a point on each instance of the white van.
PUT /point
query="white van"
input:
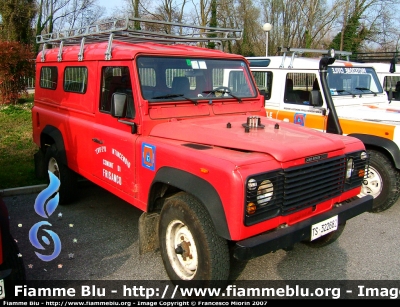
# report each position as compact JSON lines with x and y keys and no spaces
{"x":289,"y":84}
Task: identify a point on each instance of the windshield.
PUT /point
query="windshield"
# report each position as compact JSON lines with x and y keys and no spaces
{"x":353,"y":81}
{"x":193,"y":79}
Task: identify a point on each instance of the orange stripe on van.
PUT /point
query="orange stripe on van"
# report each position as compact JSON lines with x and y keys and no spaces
{"x":349,"y":126}
{"x":315,"y":121}
{"x":348,"y":64}
{"x":365,"y":127}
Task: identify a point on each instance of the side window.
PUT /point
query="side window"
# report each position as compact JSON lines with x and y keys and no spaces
{"x":264,"y":83}
{"x":75,"y":79}
{"x":48,"y":77}
{"x":298,"y":87}
{"x":116,"y":79}
{"x":392,"y":82}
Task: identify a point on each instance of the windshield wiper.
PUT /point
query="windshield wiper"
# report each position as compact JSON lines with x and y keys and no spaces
{"x":365,"y":89}
{"x":223,"y":91}
{"x":351,"y":93}
{"x":175,"y":96}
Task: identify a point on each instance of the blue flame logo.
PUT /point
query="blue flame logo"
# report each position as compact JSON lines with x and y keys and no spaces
{"x":45,"y":205}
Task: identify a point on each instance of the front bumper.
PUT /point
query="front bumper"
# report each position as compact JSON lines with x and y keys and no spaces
{"x":285,"y":238}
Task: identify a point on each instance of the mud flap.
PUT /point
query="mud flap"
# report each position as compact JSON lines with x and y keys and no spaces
{"x":148,"y":232}
{"x":40,"y":168}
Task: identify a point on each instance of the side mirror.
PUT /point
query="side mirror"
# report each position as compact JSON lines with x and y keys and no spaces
{"x":118,"y":105}
{"x":264,"y":93}
{"x":315,"y":98}
{"x":392,"y":68}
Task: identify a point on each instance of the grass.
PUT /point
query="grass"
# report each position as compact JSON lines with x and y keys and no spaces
{"x":17,"y":168}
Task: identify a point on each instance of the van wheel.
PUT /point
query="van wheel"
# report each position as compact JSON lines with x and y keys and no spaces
{"x":326,"y":239}
{"x":68,"y":178}
{"x":383,"y":182}
{"x":190,"y":248}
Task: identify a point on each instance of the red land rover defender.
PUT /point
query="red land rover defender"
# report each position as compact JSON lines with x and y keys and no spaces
{"x":180,"y":132}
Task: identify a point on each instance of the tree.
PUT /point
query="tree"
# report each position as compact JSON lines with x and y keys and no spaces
{"x":58,"y":15}
{"x":366,"y":24}
{"x":17,"y":16}
{"x":15,"y":64}
{"x":213,"y":22}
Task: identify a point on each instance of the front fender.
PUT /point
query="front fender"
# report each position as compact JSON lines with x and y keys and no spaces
{"x":387,"y":145}
{"x":201,"y":189}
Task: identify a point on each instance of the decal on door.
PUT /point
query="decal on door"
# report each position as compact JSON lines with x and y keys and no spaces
{"x":299,"y":119}
{"x":148,"y":156}
{"x":111,"y":169}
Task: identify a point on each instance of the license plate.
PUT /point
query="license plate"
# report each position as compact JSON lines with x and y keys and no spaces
{"x":2,"y":294}
{"x":322,"y":228}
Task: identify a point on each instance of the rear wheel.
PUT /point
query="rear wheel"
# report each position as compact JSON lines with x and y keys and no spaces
{"x":68,"y":178}
{"x":383,"y":182}
{"x":190,"y":248}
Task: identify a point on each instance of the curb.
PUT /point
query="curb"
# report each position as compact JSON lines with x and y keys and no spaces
{"x":23,"y":190}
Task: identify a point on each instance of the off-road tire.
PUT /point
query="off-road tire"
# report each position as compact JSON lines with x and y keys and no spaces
{"x":185,"y":220}
{"x":326,"y":239}
{"x":68,"y":178}
{"x":383,"y":182}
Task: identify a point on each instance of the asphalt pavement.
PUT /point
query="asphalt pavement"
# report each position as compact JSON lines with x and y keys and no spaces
{"x":99,"y":241}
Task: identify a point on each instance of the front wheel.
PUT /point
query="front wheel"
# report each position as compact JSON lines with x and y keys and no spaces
{"x":383,"y":182}
{"x":190,"y":248}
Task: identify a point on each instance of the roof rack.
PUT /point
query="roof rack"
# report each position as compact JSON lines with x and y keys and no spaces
{"x":136,"y":30}
{"x":365,"y":57}
{"x":306,"y":50}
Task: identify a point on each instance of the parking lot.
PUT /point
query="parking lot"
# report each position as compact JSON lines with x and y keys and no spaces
{"x":99,"y":241}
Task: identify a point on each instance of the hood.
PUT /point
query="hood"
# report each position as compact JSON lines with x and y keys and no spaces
{"x":285,"y":142}
{"x":384,"y":113}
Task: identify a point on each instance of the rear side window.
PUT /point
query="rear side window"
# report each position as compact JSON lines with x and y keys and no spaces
{"x":48,"y":77}
{"x":75,"y":79}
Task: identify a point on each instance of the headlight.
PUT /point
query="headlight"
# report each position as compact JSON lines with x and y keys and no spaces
{"x":357,"y":164}
{"x":264,"y":196}
{"x":349,"y":168}
{"x":265,"y":192}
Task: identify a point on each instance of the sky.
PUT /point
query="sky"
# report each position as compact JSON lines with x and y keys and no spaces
{"x":111,"y":4}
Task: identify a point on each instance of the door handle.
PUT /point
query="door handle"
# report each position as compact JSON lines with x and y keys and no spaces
{"x":97,"y":141}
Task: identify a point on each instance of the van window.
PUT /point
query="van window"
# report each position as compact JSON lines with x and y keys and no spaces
{"x":48,"y":77}
{"x":353,"y":81}
{"x":264,"y":82}
{"x":75,"y":79}
{"x":298,"y":87}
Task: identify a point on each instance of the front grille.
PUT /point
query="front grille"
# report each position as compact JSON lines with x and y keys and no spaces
{"x":304,"y":186}
{"x":310,"y":184}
